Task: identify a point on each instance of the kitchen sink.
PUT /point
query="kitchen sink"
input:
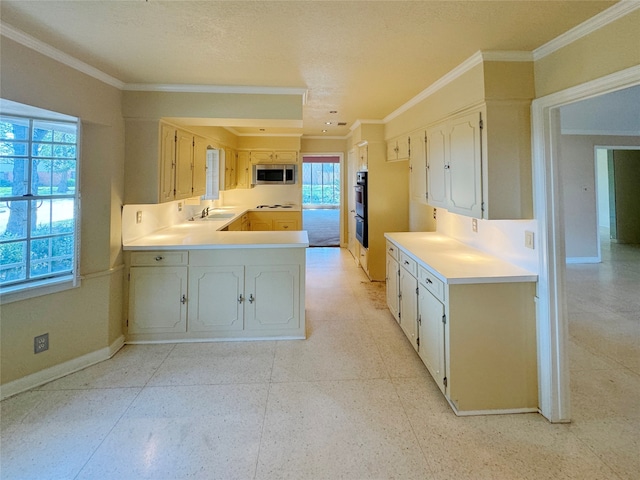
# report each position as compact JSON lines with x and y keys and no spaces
{"x":219,"y":216}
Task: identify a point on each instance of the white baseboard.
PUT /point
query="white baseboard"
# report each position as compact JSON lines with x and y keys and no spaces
{"x":583,"y":260}
{"x":58,"y":371}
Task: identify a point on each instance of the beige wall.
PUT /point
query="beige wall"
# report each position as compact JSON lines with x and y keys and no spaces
{"x":612,"y":48}
{"x":85,"y":319}
{"x":577,"y":176}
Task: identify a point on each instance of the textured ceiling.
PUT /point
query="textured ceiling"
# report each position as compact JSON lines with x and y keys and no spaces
{"x":362,"y":58}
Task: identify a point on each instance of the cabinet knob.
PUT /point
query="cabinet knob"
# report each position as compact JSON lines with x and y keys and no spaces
{"x":158,"y":258}
{"x":251,"y":298}
{"x":285,"y":226}
{"x":406,"y":263}
{"x":447,"y":167}
{"x":240,"y":299}
{"x":429,"y":280}
{"x":183,"y":300}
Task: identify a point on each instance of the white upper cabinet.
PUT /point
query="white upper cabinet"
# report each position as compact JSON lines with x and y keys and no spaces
{"x":463,"y":171}
{"x":479,"y":162}
{"x":418,"y":166}
{"x":398,"y":148}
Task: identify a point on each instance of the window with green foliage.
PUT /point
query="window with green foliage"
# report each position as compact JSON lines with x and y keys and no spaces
{"x":38,"y":201}
{"x":321,"y":181}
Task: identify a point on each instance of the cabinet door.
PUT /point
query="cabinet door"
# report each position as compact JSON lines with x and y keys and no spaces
{"x":230,"y":165}
{"x":436,"y":165}
{"x":403,"y":146}
{"x":409,"y":306}
{"x":216,"y":301}
{"x":272,"y":297}
{"x":199,"y":178}
{"x":242,"y":169}
{"x":392,"y":150}
{"x":363,"y":156}
{"x":393,"y":287}
{"x":285,"y":157}
{"x":465,"y":166}
{"x":157,"y":300}
{"x":432,"y":335}
{"x":167,"y":161}
{"x":184,"y":163}
{"x":418,"y":167}
{"x":261,"y":157}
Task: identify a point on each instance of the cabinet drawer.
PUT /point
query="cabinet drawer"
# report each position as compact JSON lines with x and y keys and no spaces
{"x":408,"y":263}
{"x":431,"y":283}
{"x":165,"y":258}
{"x":392,"y":250}
{"x":285,"y":225}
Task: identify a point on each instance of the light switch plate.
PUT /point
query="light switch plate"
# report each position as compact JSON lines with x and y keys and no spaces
{"x":528,"y":239}
{"x":139,"y":216}
{"x":474,"y":225}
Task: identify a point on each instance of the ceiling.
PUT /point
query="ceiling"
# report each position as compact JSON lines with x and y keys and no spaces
{"x":362,"y":59}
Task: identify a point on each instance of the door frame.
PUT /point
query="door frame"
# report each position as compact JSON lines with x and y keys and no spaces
{"x":551,"y":318}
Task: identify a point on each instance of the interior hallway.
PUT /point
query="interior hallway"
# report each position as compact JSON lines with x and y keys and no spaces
{"x":353,"y":401}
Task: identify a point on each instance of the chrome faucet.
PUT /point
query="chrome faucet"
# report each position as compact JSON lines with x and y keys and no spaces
{"x":205,"y":212}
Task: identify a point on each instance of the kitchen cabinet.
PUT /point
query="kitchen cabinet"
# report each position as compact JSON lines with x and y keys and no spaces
{"x":398,"y":148}
{"x":475,"y":335}
{"x":278,"y":220}
{"x":228,"y":165}
{"x":418,"y":166}
{"x":409,"y":298}
{"x":431,"y":321}
{"x":183,"y":164}
{"x":473,"y":157}
{"x":157,"y":293}
{"x":455,"y":165}
{"x":393,"y":281}
{"x":273,"y":156}
{"x":363,"y":156}
{"x":216,"y":293}
{"x":243,"y":172}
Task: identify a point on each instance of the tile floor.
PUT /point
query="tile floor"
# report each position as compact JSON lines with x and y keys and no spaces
{"x":353,"y":401}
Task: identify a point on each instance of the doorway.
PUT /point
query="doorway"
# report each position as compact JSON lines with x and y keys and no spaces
{"x":321,"y":198}
{"x":551,"y":301}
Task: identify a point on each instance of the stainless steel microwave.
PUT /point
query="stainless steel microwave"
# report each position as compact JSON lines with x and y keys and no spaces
{"x":270,"y":174}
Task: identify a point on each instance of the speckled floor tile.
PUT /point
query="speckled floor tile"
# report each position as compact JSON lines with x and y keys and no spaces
{"x":328,"y":430}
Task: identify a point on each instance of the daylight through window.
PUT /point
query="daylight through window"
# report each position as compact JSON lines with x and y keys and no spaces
{"x":38,"y":198}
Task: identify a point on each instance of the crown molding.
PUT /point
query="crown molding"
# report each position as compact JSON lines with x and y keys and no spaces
{"x":359,"y":123}
{"x":609,"y":15}
{"x":47,"y":50}
{"x":239,"y":89}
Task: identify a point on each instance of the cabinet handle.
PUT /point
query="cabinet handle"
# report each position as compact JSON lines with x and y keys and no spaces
{"x":390,"y":249}
{"x":429,"y":280}
{"x":240,"y":299}
{"x":406,"y":263}
{"x":183,"y":300}
{"x":285,"y":226}
{"x":447,"y":167}
{"x":158,"y":258}
{"x":251,"y":299}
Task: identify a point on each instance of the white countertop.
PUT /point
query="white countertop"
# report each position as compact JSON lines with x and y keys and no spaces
{"x":207,"y":234}
{"x":454,"y":262}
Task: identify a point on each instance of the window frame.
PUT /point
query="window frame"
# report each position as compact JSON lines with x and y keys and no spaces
{"x":43,"y":286}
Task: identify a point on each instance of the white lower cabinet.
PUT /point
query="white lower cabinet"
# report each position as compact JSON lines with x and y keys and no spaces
{"x":216,"y":298}
{"x":409,"y":300}
{"x":157,"y":300}
{"x":393,"y":281}
{"x":431,"y":335}
{"x":222,"y":293}
{"x":476,"y":339}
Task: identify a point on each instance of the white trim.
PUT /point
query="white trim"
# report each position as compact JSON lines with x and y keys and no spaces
{"x":361,"y":122}
{"x":614,"y":133}
{"x":550,"y":309}
{"x":579,"y":260}
{"x":61,"y":370}
{"x":47,"y":50}
{"x":226,"y":89}
{"x":507,"y":56}
{"x":609,"y":15}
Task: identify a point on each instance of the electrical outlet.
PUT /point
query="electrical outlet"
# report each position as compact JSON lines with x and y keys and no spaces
{"x":139,"y":216}
{"x":179,"y":206}
{"x":528,"y":239}
{"x":434,"y":213}
{"x":474,"y":224}
{"x":41,"y":343}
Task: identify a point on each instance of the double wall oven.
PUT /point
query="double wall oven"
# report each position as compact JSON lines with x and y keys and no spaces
{"x":361,"y":209}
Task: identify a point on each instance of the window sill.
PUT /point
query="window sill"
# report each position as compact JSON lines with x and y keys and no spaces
{"x":37,"y":289}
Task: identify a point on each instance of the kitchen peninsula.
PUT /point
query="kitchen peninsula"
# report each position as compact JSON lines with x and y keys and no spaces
{"x":196,"y":280}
